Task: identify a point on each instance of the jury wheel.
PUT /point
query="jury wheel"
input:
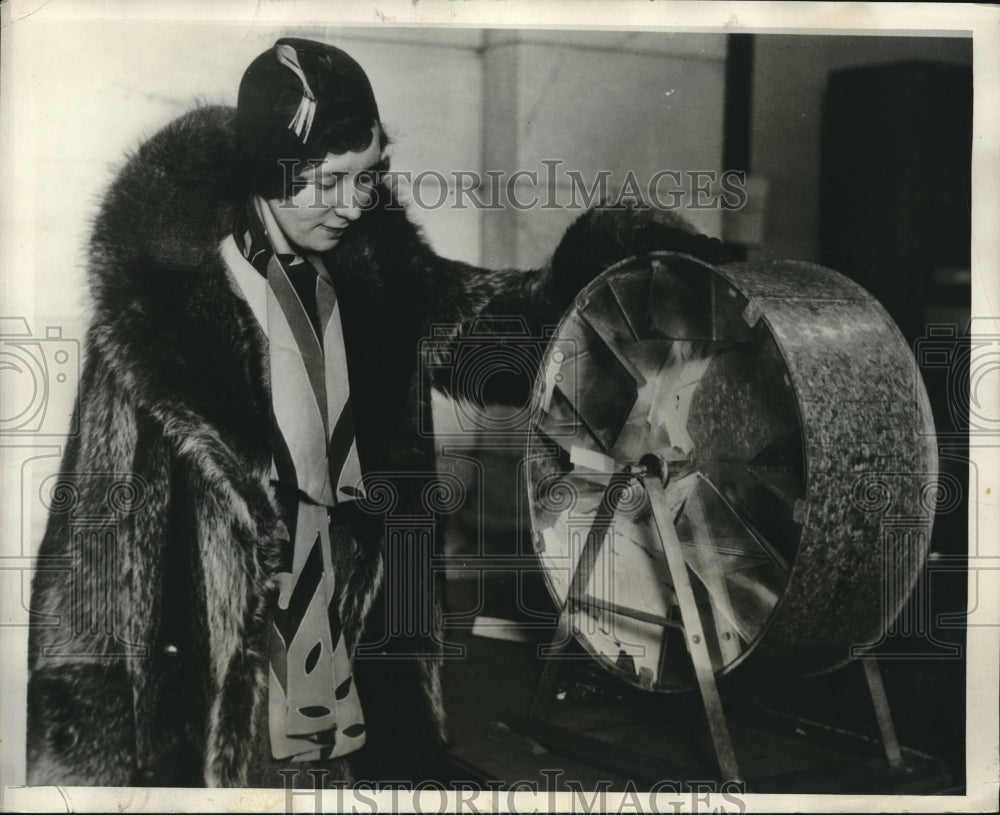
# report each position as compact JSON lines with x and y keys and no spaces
{"x":781,"y":411}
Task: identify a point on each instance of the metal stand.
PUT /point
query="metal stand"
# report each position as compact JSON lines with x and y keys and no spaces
{"x":577,"y":592}
{"x":690,"y":619}
{"x":692,"y":627}
{"x":887,"y":730}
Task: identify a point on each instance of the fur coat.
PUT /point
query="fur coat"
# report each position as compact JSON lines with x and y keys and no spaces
{"x":148,"y":654}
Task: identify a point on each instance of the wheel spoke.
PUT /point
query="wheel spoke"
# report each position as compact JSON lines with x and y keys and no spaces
{"x":599,"y":388}
{"x":743,"y":574}
{"x":778,"y":466}
{"x":770,"y":516}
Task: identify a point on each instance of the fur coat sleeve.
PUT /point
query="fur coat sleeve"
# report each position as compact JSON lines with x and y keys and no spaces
{"x":151,"y":600}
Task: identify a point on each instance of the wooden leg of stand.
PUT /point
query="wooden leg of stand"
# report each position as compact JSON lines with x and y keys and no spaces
{"x":882,"y":713}
{"x":693,"y":631}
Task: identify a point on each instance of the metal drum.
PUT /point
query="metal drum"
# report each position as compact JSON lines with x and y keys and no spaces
{"x":781,"y":414}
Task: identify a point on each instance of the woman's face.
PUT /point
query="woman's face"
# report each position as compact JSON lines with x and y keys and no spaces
{"x":328,"y":198}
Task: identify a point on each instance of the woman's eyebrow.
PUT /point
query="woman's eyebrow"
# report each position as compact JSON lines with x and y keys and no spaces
{"x":375,"y":165}
{"x":313,"y":172}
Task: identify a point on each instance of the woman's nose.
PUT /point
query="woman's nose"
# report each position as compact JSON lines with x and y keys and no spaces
{"x":355,"y":200}
{"x":350,"y":211}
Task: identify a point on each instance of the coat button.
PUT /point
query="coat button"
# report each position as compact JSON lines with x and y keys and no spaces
{"x":170,"y":657}
{"x":65,"y":738}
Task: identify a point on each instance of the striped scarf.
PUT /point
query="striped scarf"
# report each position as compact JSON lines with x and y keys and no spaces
{"x":314,"y":712}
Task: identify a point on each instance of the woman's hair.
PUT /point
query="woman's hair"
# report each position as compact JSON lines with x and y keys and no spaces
{"x":301,"y":100}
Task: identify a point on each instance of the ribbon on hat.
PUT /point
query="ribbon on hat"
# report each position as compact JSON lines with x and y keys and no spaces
{"x":302,"y":121}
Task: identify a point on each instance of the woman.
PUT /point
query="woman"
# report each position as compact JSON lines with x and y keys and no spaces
{"x":256,"y":595}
